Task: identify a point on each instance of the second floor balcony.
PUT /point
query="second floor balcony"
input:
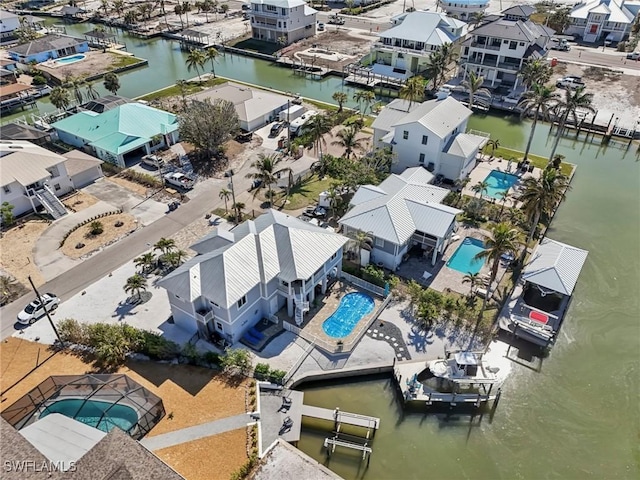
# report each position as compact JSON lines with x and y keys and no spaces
{"x":402,"y":46}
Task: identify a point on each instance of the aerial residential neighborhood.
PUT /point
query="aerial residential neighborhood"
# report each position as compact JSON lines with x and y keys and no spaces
{"x":298,"y":239}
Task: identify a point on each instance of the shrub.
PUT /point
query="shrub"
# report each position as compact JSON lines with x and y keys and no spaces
{"x":39,"y":80}
{"x":373,"y":274}
{"x":157,"y":347}
{"x":277,"y":376}
{"x":141,"y":178}
{"x":236,"y":361}
{"x":261,"y":371}
{"x":244,"y":471}
{"x":350,"y":269}
{"x":96,"y":228}
{"x":212,"y":358}
{"x":190,"y":352}
{"x":71,"y":330}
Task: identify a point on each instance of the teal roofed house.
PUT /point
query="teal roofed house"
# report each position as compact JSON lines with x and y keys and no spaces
{"x":121,"y":135}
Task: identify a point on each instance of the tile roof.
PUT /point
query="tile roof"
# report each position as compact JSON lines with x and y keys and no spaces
{"x":25,"y":162}
{"x":555,"y":265}
{"x":427,"y":27}
{"x":52,"y":41}
{"x":439,"y":116}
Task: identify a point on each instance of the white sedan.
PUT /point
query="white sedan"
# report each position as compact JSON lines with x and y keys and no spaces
{"x":35,"y":309}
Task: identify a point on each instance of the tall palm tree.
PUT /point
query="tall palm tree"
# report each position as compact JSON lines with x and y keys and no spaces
{"x":413,"y":90}
{"x":348,"y":139}
{"x":541,"y":195}
{"x":535,"y":71}
{"x":118,"y":7}
{"x":130,"y":17}
{"x":7,"y":286}
{"x":186,"y":8}
{"x":493,"y":144}
{"x":105,"y":6}
{"x":480,"y":188}
{"x":438,"y":64}
{"x":340,"y":98}
{"x":504,"y":239}
{"x":335,"y":198}
{"x":59,"y":97}
{"x":363,"y":241}
{"x":316,"y":129}
{"x":368,"y":97}
{"x":135,"y":285}
{"x":145,"y":261}
{"x":75,"y":84}
{"x":359,"y":97}
{"x":238,"y":207}
{"x":568,"y":107}
{"x":178,"y":11}
{"x":165,"y":245}
{"x":503,"y":197}
{"x":473,"y":279}
{"x":164,"y":13}
{"x":196,"y":60}
{"x":91,"y":92}
{"x":211,"y":54}
{"x":183,"y":88}
{"x":111,"y":82}
{"x":225,"y":195}
{"x":473,"y":84}
{"x":538,"y":102}
{"x":267,"y":172}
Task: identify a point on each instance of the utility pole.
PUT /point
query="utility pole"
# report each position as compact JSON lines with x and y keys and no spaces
{"x":229,"y":174}
{"x":45,"y":309}
{"x":288,"y":127}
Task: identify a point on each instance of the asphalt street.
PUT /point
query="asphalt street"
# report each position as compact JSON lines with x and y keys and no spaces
{"x":595,"y":56}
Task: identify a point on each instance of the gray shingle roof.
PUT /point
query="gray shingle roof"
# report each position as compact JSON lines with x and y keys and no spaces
{"x":77,"y":162}
{"x":46,"y":44}
{"x":513,"y":30}
{"x":555,"y":265}
{"x":25,"y":162}
{"x":519,"y":11}
{"x":439,"y":116}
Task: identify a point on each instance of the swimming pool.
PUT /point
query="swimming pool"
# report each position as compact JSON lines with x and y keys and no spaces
{"x":353,"y":307}
{"x":499,"y":182}
{"x":463,"y":259}
{"x":70,"y":59}
{"x":92,"y":413}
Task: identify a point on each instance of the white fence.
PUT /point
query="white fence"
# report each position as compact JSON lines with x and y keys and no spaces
{"x":363,"y":284}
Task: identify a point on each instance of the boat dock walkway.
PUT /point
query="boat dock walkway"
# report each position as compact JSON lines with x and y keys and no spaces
{"x":339,"y":417}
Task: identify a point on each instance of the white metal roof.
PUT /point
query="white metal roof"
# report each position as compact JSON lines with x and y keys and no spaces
{"x":395,"y":216}
{"x":439,"y":116}
{"x":280,"y":3}
{"x":428,"y":27}
{"x":464,"y":144}
{"x":615,"y":9}
{"x":555,"y":265}
{"x":25,"y":163}
{"x":393,"y":113}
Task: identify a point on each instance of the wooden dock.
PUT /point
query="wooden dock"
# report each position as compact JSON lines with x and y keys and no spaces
{"x":339,"y":417}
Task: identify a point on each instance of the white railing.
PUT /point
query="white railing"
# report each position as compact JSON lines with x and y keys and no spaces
{"x":359,"y":282}
{"x":294,"y":368}
{"x":479,"y":133}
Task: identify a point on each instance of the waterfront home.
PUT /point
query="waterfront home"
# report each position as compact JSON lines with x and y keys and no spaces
{"x":401,"y":213}
{"x":255,"y":107}
{"x":241,"y":276}
{"x":542,"y":297}
{"x":498,"y":50}
{"x":430,"y":134}
{"x":598,"y":20}
{"x":404,"y":49}
{"x":463,"y":9}
{"x":9,"y":23}
{"x":282,"y":21}
{"x":519,"y":12}
{"x":48,"y":47}
{"x":121,"y":135}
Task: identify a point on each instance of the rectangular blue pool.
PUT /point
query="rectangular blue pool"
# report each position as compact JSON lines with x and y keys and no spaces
{"x":499,"y":182}
{"x":353,"y":307}
{"x":463,"y":260}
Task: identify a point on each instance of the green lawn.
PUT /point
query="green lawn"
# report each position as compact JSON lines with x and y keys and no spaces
{"x":268,"y":48}
{"x":192,"y":87}
{"x":125,"y":61}
{"x":306,"y":193}
{"x":516,"y":155}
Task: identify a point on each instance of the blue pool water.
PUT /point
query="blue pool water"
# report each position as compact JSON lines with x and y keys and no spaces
{"x":463,"y":259}
{"x":90,"y":412}
{"x":499,"y":182}
{"x":71,"y":59}
{"x":352,"y":308}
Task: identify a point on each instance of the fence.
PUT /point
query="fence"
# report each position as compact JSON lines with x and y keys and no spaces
{"x":357,"y":281}
{"x":296,"y":366}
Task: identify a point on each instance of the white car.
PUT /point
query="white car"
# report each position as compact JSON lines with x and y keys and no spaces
{"x":35,"y":309}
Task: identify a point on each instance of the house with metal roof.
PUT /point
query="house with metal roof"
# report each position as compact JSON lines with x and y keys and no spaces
{"x":120,"y":135}
{"x":404,"y":49}
{"x":544,"y":293}
{"x":429,"y":134}
{"x":463,"y":9}
{"x":241,"y":276}
{"x":9,"y":23}
{"x":282,"y":21}
{"x":498,"y":50}
{"x":255,"y":107}
{"x":598,"y":20}
{"x":48,"y":47}
{"x":403,"y":212}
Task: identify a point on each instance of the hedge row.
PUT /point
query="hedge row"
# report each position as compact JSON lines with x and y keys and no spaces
{"x":141,"y":178}
{"x":264,"y":372}
{"x":92,"y":219}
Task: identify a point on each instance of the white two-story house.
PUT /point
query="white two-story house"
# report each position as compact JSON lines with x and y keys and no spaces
{"x":430,"y":134}
{"x":463,"y":9}
{"x":498,"y":50}
{"x":597,"y":20}
{"x":9,"y":23}
{"x":404,"y":49}
{"x":282,"y":21}
{"x":249,"y":273}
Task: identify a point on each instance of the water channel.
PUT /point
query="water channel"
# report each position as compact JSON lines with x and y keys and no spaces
{"x":578,"y":417}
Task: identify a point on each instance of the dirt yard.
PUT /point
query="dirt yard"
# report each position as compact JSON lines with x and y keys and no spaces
{"x":16,"y":250}
{"x":334,"y":41}
{"x":217,"y":456}
{"x":96,"y":62}
{"x":79,"y":201}
{"x":92,"y":243}
{"x":129,"y":185}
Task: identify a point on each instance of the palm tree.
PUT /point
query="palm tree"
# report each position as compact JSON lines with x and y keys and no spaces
{"x":493,"y":144}
{"x":238,"y":207}
{"x":335,"y":198}
{"x":145,"y":261}
{"x":413,"y":90}
{"x":535,"y":71}
{"x":504,"y":239}
{"x":135,"y":285}
{"x":105,"y":6}
{"x":164,"y":13}
{"x":340,"y":98}
{"x":111,"y":82}
{"x":267,"y":172}
{"x":473,"y":279}
{"x":359,"y":97}
{"x":438,"y":64}
{"x":540,"y":196}
{"x":118,"y":7}
{"x":196,"y":60}
{"x":480,"y":188}
{"x":225,"y":195}
{"x":537,"y":102}
{"x":316,"y":129}
{"x":206,"y":6}
{"x":503,"y":197}
{"x":348,"y":139}
{"x":91,"y":92}
{"x":183,"y":87}
{"x":178,"y":11}
{"x":76,"y":85}
{"x":165,"y":245}
{"x":211,"y":54}
{"x":474,"y":85}
{"x":186,"y":8}
{"x":59,"y":97}
{"x":367,"y":98}
{"x":176,"y":258}
{"x":363,"y":241}
{"x":568,"y":107}
{"x":7,"y":285}
{"x":130,"y":17}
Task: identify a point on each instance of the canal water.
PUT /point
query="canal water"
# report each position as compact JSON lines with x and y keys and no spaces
{"x":576,"y":419}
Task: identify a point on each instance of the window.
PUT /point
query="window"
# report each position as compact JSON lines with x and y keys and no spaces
{"x":54,"y":172}
{"x":284,"y":11}
{"x":421,"y":160}
{"x":57,"y":187}
{"x":513,"y":45}
{"x":425,"y":139}
{"x":219,"y":326}
{"x":405,"y":135}
{"x":522,"y":44}
{"x":214,"y":304}
{"x":379,"y":242}
{"x":270,"y":8}
{"x":242,"y":301}
{"x":334,"y":255}
{"x":7,"y":189}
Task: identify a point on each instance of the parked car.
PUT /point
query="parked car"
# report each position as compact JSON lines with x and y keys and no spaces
{"x":35,"y":309}
{"x":633,"y":56}
{"x":246,"y":6}
{"x":276,"y":128}
{"x":255,"y":184}
{"x":570,"y":81}
{"x":336,"y":20}
{"x":153,"y":161}
{"x":320,"y":26}
{"x":180,"y":180}
{"x":563,"y":47}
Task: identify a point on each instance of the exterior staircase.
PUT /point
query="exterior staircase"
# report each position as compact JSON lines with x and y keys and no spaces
{"x":301,"y":308}
{"x":51,"y":203}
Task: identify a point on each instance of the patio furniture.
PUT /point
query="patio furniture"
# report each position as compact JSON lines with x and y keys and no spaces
{"x":426,"y":276}
{"x":256,"y":333}
{"x":286,"y":403}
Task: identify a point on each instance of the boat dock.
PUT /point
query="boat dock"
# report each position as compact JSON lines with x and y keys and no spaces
{"x":339,"y":417}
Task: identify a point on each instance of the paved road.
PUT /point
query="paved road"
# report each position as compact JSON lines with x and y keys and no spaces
{"x":362,"y":23}
{"x":593,"y":56}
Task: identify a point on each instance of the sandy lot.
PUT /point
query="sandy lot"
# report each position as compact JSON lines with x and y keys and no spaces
{"x":334,"y":41}
{"x":96,"y":62}
{"x":210,"y":458}
{"x":79,"y":201}
{"x":16,"y":250}
{"x":129,"y":185}
{"x":94,"y":242}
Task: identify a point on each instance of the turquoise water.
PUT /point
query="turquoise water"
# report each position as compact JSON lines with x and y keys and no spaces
{"x":71,"y":59}
{"x":498,"y":182}
{"x":92,"y":413}
{"x":352,"y":308}
{"x":463,"y":259}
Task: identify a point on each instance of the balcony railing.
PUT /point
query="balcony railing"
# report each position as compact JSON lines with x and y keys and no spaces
{"x":267,"y":14}
{"x":398,"y":48}
{"x":204,"y":316}
{"x":485,"y":46}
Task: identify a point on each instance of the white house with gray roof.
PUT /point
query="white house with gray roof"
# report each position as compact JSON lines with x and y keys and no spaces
{"x":429,"y":134}
{"x":601,"y":19}
{"x":403,"y":212}
{"x":282,"y":21}
{"x":250,"y":272}
{"x":9,"y":23}
{"x":404,"y":49}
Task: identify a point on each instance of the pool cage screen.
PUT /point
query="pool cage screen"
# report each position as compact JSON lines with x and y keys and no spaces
{"x":107,"y":390}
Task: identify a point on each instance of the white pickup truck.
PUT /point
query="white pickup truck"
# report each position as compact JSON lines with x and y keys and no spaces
{"x":570,"y":81}
{"x":180,"y":180}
